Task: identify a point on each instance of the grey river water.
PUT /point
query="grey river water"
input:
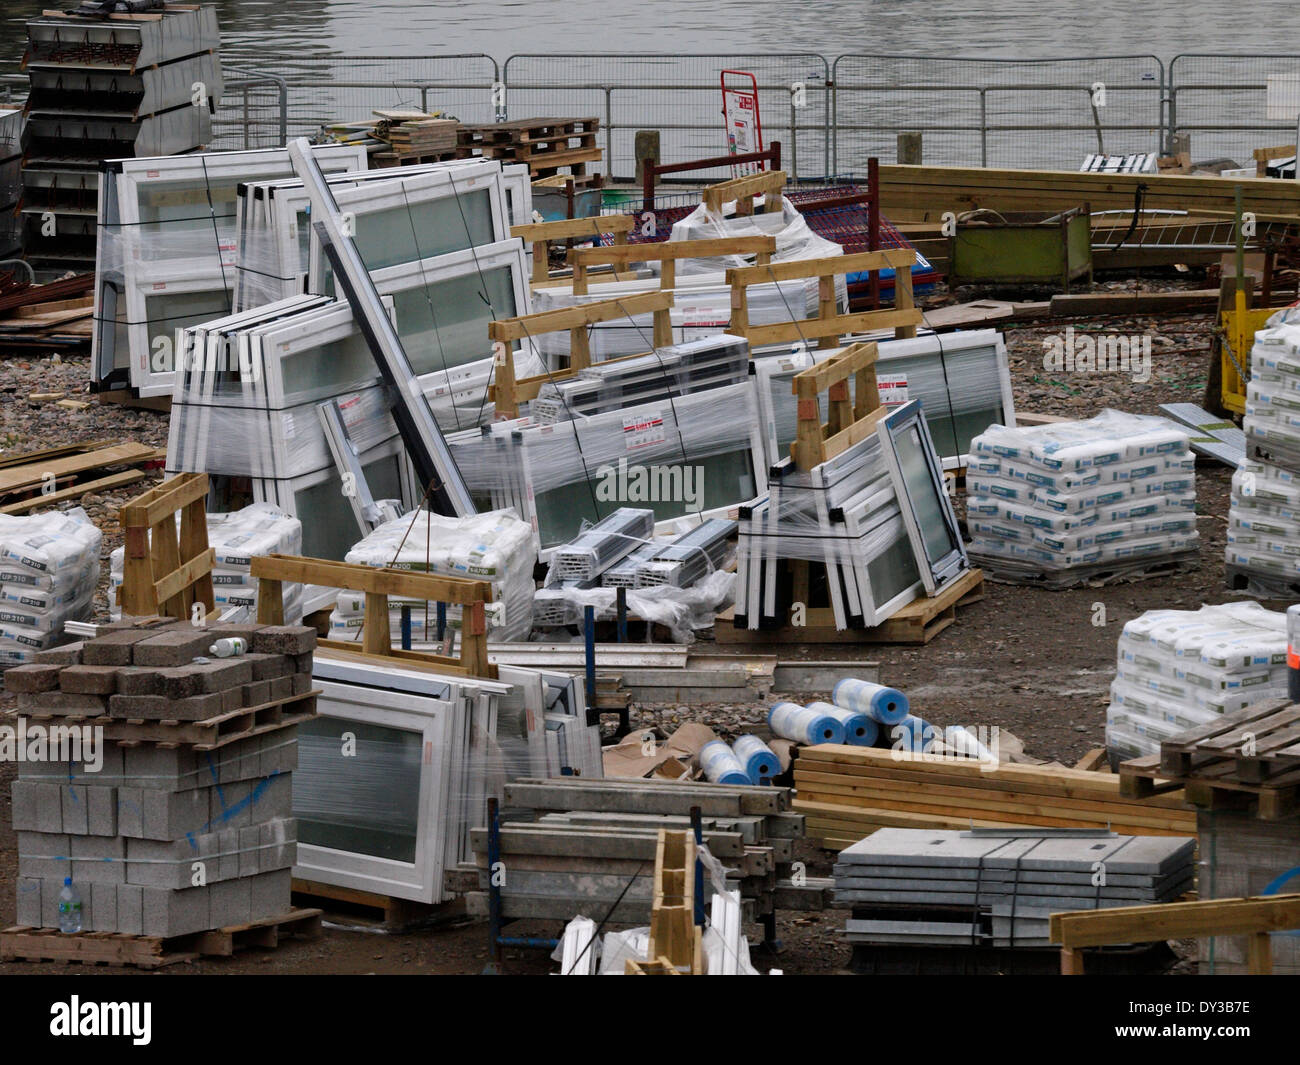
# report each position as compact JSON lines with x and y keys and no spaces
{"x":965,"y":120}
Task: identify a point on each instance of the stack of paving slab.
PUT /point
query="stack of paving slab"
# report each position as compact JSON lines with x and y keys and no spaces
{"x":995,"y":887}
{"x":163,"y":837}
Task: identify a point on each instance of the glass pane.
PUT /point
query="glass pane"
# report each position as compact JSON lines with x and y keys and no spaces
{"x":723,"y":480}
{"x":892,"y":572}
{"x":445,"y":324}
{"x":407,"y":234}
{"x":169,"y":311}
{"x":926,"y":504}
{"x":366,"y":803}
{"x":329,"y":527}
{"x":331,"y":366}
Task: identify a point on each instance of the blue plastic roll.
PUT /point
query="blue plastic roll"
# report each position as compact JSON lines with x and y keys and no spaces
{"x":887,"y":705}
{"x":915,"y":735}
{"x":791,"y":721}
{"x":759,"y":760}
{"x":859,"y":730}
{"x":720,"y":764}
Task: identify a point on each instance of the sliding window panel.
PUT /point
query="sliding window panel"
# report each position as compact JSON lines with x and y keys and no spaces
{"x":922,"y":496}
{"x":689,"y":459}
{"x":176,"y":220}
{"x":375,"y":820}
{"x":409,"y":219}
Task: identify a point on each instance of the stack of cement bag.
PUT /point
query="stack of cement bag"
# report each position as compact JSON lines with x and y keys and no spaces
{"x":49,"y":568}
{"x":1178,"y":669}
{"x":1057,"y":504}
{"x":236,"y":539}
{"x":497,"y":547}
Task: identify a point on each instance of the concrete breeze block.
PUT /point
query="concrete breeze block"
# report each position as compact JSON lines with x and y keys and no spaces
{"x":67,"y":655}
{"x":43,"y":855}
{"x":98,"y":859}
{"x":113,"y":649}
{"x":270,"y":894}
{"x":284,"y":640}
{"x":103,"y":907}
{"x":32,"y":678}
{"x":175,"y":913}
{"x":101,"y":811}
{"x":282,"y":688}
{"x":231,"y":903}
{"x":161,"y":708}
{"x":256,"y":693}
{"x":169,"y":815}
{"x":205,"y":677}
{"x":29,"y":901}
{"x":268,"y":667}
{"x":75,"y":810}
{"x":177,"y":647}
{"x":88,"y":680}
{"x":133,"y":680}
{"x":37,"y":806}
{"x":130,"y":910}
{"x":63,"y":703}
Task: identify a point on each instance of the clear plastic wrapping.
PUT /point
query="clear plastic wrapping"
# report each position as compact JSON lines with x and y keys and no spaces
{"x":49,"y":569}
{"x":1177,"y":669}
{"x":1115,"y":488}
{"x":496,"y":547}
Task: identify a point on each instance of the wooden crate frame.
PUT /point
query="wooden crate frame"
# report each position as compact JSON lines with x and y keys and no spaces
{"x":378,"y":584}
{"x":162,"y":574}
{"x":541,"y":235}
{"x":743,"y":190}
{"x":828,"y":326}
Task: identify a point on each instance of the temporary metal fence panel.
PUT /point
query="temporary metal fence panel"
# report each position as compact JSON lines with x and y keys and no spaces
{"x":1040,"y":113}
{"x":326,"y":88}
{"x":681,"y":97}
{"x":1231,"y":104}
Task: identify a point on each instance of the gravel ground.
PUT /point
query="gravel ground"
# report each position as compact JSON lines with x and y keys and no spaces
{"x":1028,"y":660}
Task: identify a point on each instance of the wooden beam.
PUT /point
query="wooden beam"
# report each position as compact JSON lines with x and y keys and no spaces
{"x":767,"y":183}
{"x":1176,"y":920}
{"x":570,"y":228}
{"x":894,"y":258}
{"x":76,"y":491}
{"x":673,"y":249}
{"x":815,"y":328}
{"x":806,"y":384}
{"x":530,"y":325}
{"x":371,"y":580}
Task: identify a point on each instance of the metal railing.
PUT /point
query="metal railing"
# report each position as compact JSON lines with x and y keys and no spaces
{"x":1231,"y":104}
{"x":829,"y":114}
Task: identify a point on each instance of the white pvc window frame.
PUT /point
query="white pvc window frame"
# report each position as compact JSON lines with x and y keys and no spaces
{"x":431,"y":719}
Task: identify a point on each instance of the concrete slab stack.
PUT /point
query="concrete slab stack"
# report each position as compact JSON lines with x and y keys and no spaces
{"x":187,"y":825}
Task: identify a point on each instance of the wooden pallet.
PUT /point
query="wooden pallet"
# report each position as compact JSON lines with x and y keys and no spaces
{"x":1011,"y":571}
{"x":917,"y":623}
{"x":206,"y":735}
{"x":1249,"y":759}
{"x":350,"y":906}
{"x":21,"y":943}
{"x":527,"y":131}
{"x":46,"y":476}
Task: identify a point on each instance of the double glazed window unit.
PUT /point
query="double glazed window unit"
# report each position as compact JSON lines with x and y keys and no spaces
{"x":411,"y":219}
{"x":961,"y":379}
{"x":167,"y":253}
{"x":275,"y":225}
{"x":442,"y":308}
{"x":922,"y":496}
{"x":695,"y":457}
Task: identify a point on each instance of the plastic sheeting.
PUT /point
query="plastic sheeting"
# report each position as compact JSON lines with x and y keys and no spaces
{"x":1177,"y":669}
{"x":49,"y":568}
{"x":1114,"y":488}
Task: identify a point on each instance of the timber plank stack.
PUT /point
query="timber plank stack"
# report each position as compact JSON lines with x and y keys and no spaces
{"x":911,"y":193}
{"x":186,"y":825}
{"x":547,"y":145}
{"x":1248,"y":760}
{"x":49,"y":476}
{"x":847,"y":793}
{"x":586,"y":847}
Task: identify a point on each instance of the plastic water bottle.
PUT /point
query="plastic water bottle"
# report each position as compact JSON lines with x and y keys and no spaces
{"x":69,"y":907}
{"x":229,"y":647}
